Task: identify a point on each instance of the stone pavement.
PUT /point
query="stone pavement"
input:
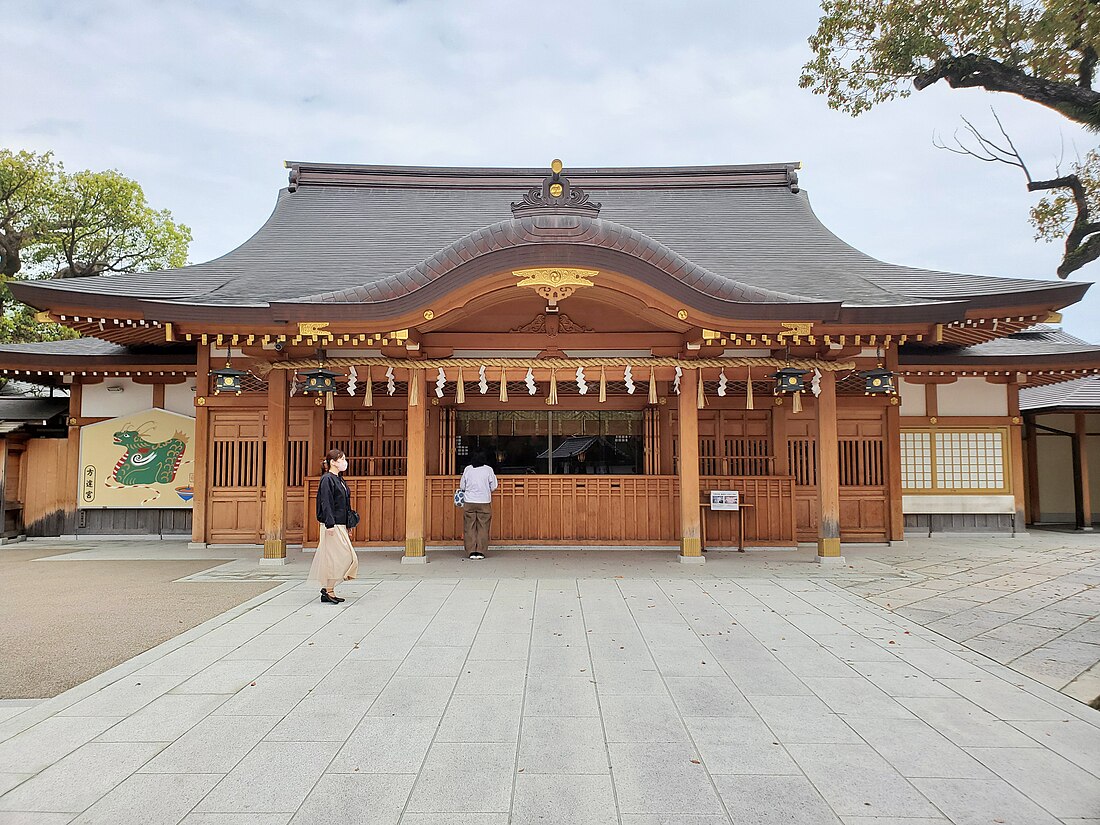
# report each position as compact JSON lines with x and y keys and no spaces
{"x":565,"y":687}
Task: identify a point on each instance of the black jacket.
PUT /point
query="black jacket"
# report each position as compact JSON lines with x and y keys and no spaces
{"x":333,"y":501}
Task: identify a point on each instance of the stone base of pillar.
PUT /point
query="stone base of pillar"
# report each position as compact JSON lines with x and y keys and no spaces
{"x":692,"y":559}
{"x":414,"y":559}
{"x":275,"y":549}
{"x":196,"y":545}
{"x":830,"y":560}
{"x":276,"y":562}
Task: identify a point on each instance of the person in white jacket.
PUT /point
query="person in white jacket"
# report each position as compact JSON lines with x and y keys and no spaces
{"x":478,"y":483}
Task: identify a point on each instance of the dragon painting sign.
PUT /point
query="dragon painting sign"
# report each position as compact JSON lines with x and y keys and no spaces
{"x":145,"y":459}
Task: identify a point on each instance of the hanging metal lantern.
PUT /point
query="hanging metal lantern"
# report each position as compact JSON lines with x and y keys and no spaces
{"x":878,"y":381}
{"x":320,"y":381}
{"x":788,"y":380}
{"x":227,"y":379}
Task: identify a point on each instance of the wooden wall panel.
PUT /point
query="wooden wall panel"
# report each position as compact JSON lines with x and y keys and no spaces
{"x":565,"y":510}
{"x":864,"y":488}
{"x":769,"y":522}
{"x":380,"y":502}
{"x":45,"y":498}
{"x":238,"y":485}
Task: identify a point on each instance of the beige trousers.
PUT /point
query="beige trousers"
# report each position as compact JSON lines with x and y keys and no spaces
{"x":476,"y":519}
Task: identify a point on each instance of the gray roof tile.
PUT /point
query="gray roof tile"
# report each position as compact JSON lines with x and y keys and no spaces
{"x":335,"y":238}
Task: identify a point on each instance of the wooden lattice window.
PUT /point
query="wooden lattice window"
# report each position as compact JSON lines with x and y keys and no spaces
{"x":802,"y":457}
{"x":373,"y":440}
{"x":860,"y":462}
{"x":955,"y":460}
{"x":916,"y":460}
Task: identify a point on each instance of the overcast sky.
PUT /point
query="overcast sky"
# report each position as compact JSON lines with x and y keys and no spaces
{"x":201,"y":102}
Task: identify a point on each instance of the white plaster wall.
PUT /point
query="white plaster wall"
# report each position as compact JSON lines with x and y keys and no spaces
{"x":972,"y":396}
{"x":1055,"y":459}
{"x":180,"y":398}
{"x":912,"y":398}
{"x":98,"y":401}
{"x":949,"y":504}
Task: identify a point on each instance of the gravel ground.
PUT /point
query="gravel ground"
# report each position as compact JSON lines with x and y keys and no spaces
{"x":63,"y":622}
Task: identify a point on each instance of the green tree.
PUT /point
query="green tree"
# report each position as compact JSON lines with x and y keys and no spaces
{"x":54,"y":224}
{"x":867,"y":52}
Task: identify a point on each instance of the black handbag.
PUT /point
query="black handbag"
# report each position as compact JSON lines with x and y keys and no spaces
{"x":353,"y":519}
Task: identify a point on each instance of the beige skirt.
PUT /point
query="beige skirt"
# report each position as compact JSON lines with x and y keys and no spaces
{"x":335,"y":559}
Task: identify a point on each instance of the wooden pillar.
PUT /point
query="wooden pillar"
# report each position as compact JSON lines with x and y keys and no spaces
{"x":415,"y":471}
{"x":433,"y":435}
{"x":3,"y":488}
{"x":691,"y":549}
{"x":278,"y":426}
{"x":1083,"y":500}
{"x":158,"y":396}
{"x":72,"y":457}
{"x":1016,"y":456}
{"x":782,"y":466}
{"x":664,"y":436}
{"x":1035,"y":510}
{"x":201,"y":482}
{"x":828,"y":473}
{"x":895,"y":517}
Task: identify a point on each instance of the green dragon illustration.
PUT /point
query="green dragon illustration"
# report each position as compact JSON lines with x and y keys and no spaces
{"x":148,"y":463}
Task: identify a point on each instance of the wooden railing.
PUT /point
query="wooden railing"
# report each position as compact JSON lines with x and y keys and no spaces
{"x":769,"y":521}
{"x":566,"y":510}
{"x":630,"y":510}
{"x":380,"y":502}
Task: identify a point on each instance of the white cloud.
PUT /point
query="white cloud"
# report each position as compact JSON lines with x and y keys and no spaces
{"x":202,"y":102}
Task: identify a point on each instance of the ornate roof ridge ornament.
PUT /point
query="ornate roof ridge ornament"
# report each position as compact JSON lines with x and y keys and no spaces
{"x":557,"y":196}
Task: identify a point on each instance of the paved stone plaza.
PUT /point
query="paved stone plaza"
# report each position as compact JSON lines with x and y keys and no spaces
{"x":914,"y":685}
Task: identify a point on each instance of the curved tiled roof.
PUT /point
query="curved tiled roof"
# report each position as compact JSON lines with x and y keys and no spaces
{"x":1081,"y":393}
{"x":367,"y":232}
{"x":555,"y":229}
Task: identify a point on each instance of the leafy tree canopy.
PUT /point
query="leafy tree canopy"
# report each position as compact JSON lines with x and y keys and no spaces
{"x":870,"y":51}
{"x":54,"y":224}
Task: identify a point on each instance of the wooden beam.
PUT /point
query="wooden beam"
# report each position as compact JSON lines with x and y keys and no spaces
{"x":1016,"y":454}
{"x":3,"y":484}
{"x":72,"y":479}
{"x":416,"y":473}
{"x":1082,"y":496}
{"x":931,"y":401}
{"x":278,"y":425}
{"x":201,"y":482}
{"x":1034,"y":504}
{"x":828,"y":472}
{"x":690,"y":517}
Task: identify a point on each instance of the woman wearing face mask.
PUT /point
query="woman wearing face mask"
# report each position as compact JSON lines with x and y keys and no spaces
{"x":335,"y":559}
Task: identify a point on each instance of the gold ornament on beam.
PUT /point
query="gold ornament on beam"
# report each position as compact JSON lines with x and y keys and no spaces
{"x":555,"y":284}
{"x":794,"y":329}
{"x":314,"y":329}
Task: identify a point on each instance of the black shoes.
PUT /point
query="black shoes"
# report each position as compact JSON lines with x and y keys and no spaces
{"x":477,"y":555}
{"x":329,"y":598}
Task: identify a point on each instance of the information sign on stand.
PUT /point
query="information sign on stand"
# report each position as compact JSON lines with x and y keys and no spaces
{"x":725,"y":500}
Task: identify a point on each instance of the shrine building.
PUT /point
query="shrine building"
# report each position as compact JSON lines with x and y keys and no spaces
{"x":619,"y":343}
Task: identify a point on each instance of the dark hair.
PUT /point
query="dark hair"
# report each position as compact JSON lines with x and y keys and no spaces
{"x":330,"y":456}
{"x":477,"y":459}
